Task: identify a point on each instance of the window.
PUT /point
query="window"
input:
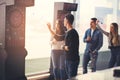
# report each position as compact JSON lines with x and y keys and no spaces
{"x":37,"y":34}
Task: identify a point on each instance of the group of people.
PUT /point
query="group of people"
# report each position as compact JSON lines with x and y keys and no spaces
{"x":65,"y":47}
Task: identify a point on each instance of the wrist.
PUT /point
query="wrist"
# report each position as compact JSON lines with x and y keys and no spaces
{"x":63,"y":47}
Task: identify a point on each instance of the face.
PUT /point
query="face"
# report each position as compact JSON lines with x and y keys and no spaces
{"x":57,"y":25}
{"x":92,"y":24}
{"x":111,"y":28}
{"x":65,"y":22}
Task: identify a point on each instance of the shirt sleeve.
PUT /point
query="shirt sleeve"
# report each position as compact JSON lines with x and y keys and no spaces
{"x":85,"y":36}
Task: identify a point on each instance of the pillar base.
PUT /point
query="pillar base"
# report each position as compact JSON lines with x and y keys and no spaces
{"x":15,"y":64}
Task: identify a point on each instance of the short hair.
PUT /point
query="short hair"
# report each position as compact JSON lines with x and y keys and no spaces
{"x":94,"y":19}
{"x":70,"y":18}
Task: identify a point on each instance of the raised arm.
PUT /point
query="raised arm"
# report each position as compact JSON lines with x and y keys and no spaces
{"x":56,"y":36}
{"x":51,"y":31}
{"x":103,"y":31}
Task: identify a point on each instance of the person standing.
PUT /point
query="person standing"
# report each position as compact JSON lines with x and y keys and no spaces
{"x":71,"y":48}
{"x":114,"y":44}
{"x":57,"y":54}
{"x":94,"y":40}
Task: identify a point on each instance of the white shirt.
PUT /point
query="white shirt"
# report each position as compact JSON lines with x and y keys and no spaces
{"x":57,"y":45}
{"x":92,"y":32}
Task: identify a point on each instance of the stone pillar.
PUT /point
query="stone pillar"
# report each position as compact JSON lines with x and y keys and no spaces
{"x":2,"y":33}
{"x":15,"y":39}
{"x":115,"y":10}
{"x":3,"y":55}
{"x":77,"y":16}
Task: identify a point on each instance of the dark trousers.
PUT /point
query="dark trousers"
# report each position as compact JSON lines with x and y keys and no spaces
{"x":71,"y":68}
{"x":89,"y":57}
{"x":115,"y":57}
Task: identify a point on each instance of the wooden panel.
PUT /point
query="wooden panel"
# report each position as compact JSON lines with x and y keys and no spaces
{"x":24,"y":3}
{"x":15,"y":26}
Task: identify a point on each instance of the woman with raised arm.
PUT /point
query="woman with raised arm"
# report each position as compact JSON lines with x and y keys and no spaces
{"x":114,"y":44}
{"x":57,"y":54}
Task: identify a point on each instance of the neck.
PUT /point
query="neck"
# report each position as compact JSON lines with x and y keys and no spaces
{"x":93,"y":28}
{"x":113,"y":33}
{"x":69,"y":27}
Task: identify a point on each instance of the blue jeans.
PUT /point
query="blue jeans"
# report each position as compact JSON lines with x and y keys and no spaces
{"x":58,"y":59}
{"x":115,"y":57}
{"x":86,"y":58}
{"x":71,"y":68}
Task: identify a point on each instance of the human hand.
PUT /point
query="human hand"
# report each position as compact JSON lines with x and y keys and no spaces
{"x":49,"y":25}
{"x":97,"y":22}
{"x":66,"y":48}
{"x":94,"y":52}
{"x":88,"y":38}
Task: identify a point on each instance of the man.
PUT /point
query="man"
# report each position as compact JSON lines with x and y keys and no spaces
{"x":71,"y":47}
{"x":94,"y":41}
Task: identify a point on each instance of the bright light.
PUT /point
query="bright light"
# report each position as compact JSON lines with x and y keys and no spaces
{"x":37,"y":34}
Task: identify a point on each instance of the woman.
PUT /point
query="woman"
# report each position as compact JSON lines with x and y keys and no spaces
{"x":58,"y":58}
{"x":114,"y":44}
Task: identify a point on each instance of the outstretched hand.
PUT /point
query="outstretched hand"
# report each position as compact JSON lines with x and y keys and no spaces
{"x":50,"y":29}
{"x":97,"y":22}
{"x":49,"y":25}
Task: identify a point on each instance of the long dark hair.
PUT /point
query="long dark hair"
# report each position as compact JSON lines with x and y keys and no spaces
{"x":116,"y":35}
{"x":61,"y":30}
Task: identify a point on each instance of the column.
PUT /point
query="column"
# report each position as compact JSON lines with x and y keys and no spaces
{"x":115,"y":9}
{"x":77,"y":15}
{"x":3,"y":55}
{"x":15,"y":39}
{"x":2,"y":35}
